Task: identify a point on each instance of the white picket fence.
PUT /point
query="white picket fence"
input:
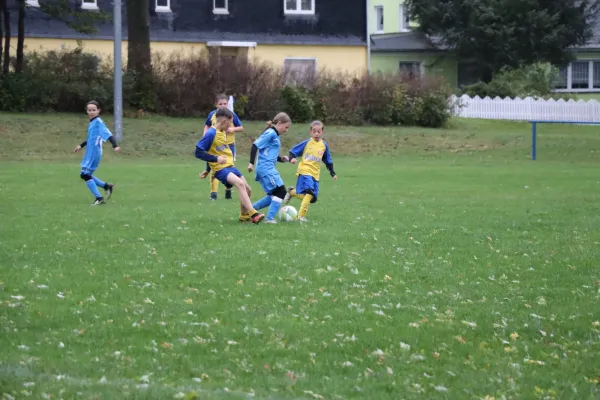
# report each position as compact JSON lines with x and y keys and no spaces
{"x":526,"y":109}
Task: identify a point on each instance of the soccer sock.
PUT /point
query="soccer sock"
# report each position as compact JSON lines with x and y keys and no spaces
{"x":93,"y":188}
{"x":262,"y":203}
{"x":214,"y":184}
{"x":99,"y":182}
{"x":304,"y":206}
{"x":293,"y":194}
{"x":274,"y":207}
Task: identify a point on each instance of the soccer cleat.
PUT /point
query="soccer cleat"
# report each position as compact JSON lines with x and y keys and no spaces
{"x":228,"y":194}
{"x":109,"y":190}
{"x":256,"y":218}
{"x":98,"y":201}
{"x":302,"y":219}
{"x":213,"y":196}
{"x":288,"y":196}
{"x":204,"y":174}
{"x":245,"y":218}
{"x":270,"y":221}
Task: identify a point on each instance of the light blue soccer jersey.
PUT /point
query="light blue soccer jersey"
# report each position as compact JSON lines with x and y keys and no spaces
{"x":98,"y":133}
{"x":268,"y":145}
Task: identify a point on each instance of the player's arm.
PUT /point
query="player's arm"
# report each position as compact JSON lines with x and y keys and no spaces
{"x":297,"y":150}
{"x":208,"y":123}
{"x":81,"y":146}
{"x":237,"y":124}
{"x":329,"y":162}
{"x":204,"y":145}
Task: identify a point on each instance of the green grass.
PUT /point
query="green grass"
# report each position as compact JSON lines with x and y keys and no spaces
{"x":442,"y":264}
{"x":588,"y":96}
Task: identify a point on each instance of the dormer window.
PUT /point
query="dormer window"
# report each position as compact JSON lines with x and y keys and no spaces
{"x":163,"y":6}
{"x":299,"y":7}
{"x":220,"y":7}
{"x":89,"y":4}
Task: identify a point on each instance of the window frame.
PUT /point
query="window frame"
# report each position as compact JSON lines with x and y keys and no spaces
{"x":420,"y":64}
{"x":89,"y":5}
{"x":376,"y":12}
{"x":221,"y":10}
{"x":313,"y":59}
{"x":32,"y":3}
{"x":162,"y":9}
{"x":569,"y":81}
{"x":299,"y":10}
{"x":403,"y":18}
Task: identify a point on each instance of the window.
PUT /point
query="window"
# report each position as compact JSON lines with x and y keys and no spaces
{"x":579,"y":76}
{"x":414,"y":69}
{"x":299,"y":71}
{"x":163,"y":6}
{"x":379,"y":19}
{"x":299,"y":6}
{"x":220,"y":7}
{"x":89,"y":5}
{"x":403,"y":18}
{"x":32,"y":3}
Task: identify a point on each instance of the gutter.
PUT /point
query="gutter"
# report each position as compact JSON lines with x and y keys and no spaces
{"x":368,"y":36}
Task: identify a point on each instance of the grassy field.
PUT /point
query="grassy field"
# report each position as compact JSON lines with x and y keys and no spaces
{"x":442,"y":264}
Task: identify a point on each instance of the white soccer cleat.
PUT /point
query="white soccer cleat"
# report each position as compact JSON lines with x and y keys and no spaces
{"x":302,"y":219}
{"x":270,"y":221}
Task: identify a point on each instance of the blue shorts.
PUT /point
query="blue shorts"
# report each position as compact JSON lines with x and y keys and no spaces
{"x":269,"y":182}
{"x":306,"y":183}
{"x":222,"y":175}
{"x":87,"y":171}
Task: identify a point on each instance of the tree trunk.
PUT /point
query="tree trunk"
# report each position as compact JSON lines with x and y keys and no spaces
{"x":6,"y":61}
{"x":20,"y":37}
{"x":139,"y":59}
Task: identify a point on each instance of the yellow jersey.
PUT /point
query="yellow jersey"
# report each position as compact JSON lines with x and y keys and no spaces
{"x":212,"y":145}
{"x":312,"y":152}
{"x":212,"y":120}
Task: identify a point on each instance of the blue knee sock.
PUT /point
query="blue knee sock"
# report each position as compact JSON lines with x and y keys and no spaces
{"x":99,"y":182}
{"x":93,"y":188}
{"x":274,"y":207}
{"x":262,"y":203}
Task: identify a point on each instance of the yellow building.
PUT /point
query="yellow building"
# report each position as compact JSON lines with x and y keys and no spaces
{"x":302,"y":36}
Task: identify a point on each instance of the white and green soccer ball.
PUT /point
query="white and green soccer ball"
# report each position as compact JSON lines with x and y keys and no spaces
{"x":287,"y":214}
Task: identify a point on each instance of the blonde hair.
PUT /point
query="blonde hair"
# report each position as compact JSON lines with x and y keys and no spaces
{"x":281,"y":118}
{"x":317,"y":123}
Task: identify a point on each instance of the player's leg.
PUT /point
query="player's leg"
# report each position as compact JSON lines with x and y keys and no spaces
{"x":235,"y":178}
{"x":277,"y":195}
{"x":86,"y":175}
{"x":293,"y":192}
{"x":214,"y":186}
{"x":308,"y":187}
{"x":205,"y":173}
{"x":108,"y":188}
{"x":228,"y":190}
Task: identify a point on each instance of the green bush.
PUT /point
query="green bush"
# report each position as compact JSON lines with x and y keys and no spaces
{"x":186,"y":86}
{"x":535,"y":80}
{"x":296,"y":101}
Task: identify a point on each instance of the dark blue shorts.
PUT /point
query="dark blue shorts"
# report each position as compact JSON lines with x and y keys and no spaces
{"x":305,"y":183}
{"x":222,"y":175}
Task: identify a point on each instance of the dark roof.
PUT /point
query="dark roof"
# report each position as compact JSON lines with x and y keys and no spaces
{"x":415,"y":41}
{"x":402,"y":42}
{"x":248,"y":20}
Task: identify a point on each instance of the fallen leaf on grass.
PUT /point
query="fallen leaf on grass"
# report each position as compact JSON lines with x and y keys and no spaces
{"x":188,"y":301}
{"x":514,"y":336}
{"x":166,"y":345}
{"x":461,"y":339}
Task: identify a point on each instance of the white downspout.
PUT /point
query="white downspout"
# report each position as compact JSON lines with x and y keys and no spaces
{"x":369,"y":36}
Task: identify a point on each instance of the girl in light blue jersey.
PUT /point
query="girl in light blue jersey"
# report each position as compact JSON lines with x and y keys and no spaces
{"x":267,"y":148}
{"x":98,"y":133}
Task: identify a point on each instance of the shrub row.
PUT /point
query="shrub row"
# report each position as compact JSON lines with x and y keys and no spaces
{"x":185,"y":86}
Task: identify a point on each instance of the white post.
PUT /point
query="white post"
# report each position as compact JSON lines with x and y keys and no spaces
{"x":118,"y":71}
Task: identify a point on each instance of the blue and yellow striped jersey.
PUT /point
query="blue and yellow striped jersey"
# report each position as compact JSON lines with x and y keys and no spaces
{"x":212,"y":120}
{"x":312,"y":152}
{"x":214,"y":143}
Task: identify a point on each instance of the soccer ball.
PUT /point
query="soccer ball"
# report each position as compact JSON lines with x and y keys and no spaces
{"x":287,"y":214}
